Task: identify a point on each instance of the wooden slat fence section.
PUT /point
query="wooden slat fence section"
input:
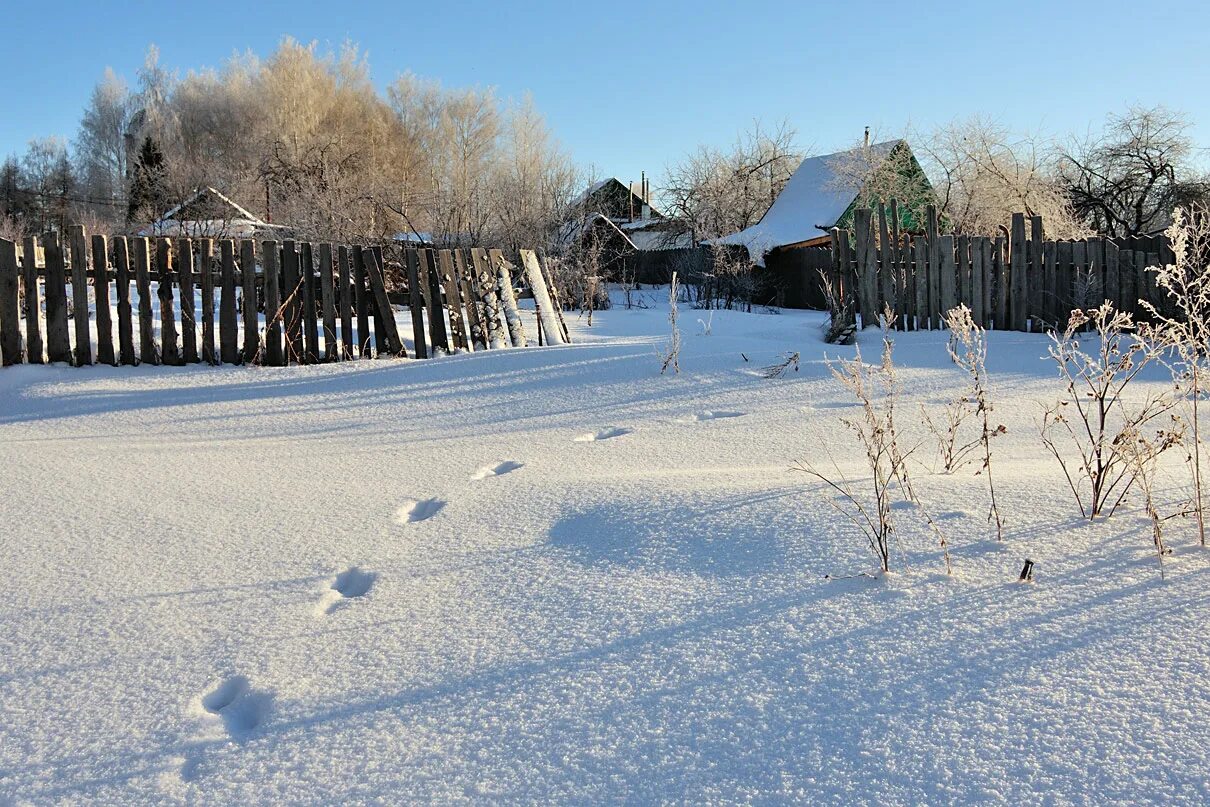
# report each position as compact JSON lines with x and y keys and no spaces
{"x":1021,"y":282}
{"x":277,"y":302}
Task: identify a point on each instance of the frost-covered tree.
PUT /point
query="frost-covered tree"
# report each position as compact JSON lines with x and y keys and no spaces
{"x":1128,"y":178}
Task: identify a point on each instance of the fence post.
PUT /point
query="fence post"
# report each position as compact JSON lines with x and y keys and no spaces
{"x":920,"y":245}
{"x":327,"y":293}
{"x":205,"y":258}
{"x":345,"y":281}
{"x":867,"y":266}
{"x":121,"y":260}
{"x":184,"y":270}
{"x":78,"y":246}
{"x":949,"y":277}
{"x":977,"y":276}
{"x":273,"y":329}
{"x":886,"y":267}
{"x":33,"y":301}
{"x":10,"y":312}
{"x":247,"y":261}
{"x":416,"y":303}
{"x":100,"y":285}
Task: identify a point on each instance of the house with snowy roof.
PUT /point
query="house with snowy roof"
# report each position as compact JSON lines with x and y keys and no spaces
{"x":825,"y":190}
{"x":207,"y":213}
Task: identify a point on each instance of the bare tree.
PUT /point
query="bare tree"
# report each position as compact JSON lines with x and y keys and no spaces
{"x":716,"y":192}
{"x":1127,"y":179}
{"x":983,"y":173}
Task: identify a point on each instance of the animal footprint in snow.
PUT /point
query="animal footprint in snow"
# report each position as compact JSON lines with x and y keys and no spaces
{"x":499,"y":469}
{"x":412,"y":510}
{"x":703,"y":416}
{"x":603,"y":434}
{"x":234,"y":706}
{"x":349,"y":584}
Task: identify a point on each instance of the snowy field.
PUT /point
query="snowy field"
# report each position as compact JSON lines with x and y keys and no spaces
{"x":555,"y":576}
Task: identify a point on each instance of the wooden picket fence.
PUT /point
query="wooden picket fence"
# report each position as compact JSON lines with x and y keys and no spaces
{"x":278,"y":303}
{"x":1021,"y":282}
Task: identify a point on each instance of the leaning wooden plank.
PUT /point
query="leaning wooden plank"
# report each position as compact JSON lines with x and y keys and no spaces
{"x":553,"y":289}
{"x":273,"y":355}
{"x":489,"y":299}
{"x":385,"y":320}
{"x":310,"y":296}
{"x":508,"y":299}
{"x":10,"y":306}
{"x":58,"y":339}
{"x":204,"y":260}
{"x":411,"y":260}
{"x":185,"y":281}
{"x":78,"y":244}
{"x":345,"y":295}
{"x":537,"y":283}
{"x":466,"y":286}
{"x":122,"y":270}
{"x":33,"y":301}
{"x":149,"y":350}
{"x":362,"y":301}
{"x":247,"y":266}
{"x":327,"y":293}
{"x":438,"y":332}
{"x":453,"y":299}
{"x":228,"y":321}
{"x":292,"y":293}
{"x":100,"y":285}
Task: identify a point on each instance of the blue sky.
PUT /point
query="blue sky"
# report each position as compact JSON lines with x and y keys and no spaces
{"x":634,"y":86}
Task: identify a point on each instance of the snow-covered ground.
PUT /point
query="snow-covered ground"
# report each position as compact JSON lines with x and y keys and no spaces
{"x":554,"y":575}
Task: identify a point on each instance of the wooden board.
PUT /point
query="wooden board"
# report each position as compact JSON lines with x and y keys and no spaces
{"x":963,"y":244}
{"x":344,"y":283}
{"x":1018,"y":305}
{"x":1113,"y":280}
{"x":976,"y":275}
{"x":77,"y":243}
{"x":273,"y":353}
{"x":438,"y":334}
{"x":100,"y":285}
{"x":477,"y":338}
{"x":204,"y":266}
{"x":453,"y":300}
{"x":1036,"y":274}
{"x":886,"y":266}
{"x":292,"y":303}
{"x":247,"y":267}
{"x":361,"y":302}
{"x":416,"y":302}
{"x":542,"y":301}
{"x":327,"y":293}
{"x":34,"y":348}
{"x":170,"y":352}
{"x":149,"y":349}
{"x":508,"y":299}
{"x":185,"y":281}
{"x":228,"y":321}
{"x":384,"y":322}
{"x":949,"y":278}
{"x":867,"y":267}
{"x":10,"y":306}
{"x":58,"y":339}
{"x":124,"y":275}
{"x":1000,"y":274}
{"x":310,"y":299}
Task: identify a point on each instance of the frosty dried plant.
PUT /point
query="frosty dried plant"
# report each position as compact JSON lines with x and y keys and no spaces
{"x":876,"y":388}
{"x":1085,"y":428}
{"x":968,"y":348}
{"x":1185,"y":333}
{"x":672,"y":356}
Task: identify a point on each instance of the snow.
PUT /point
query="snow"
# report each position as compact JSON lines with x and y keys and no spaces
{"x":812,"y":201}
{"x":554,"y":575}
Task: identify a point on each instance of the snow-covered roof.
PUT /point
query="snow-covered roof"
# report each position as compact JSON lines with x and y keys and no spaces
{"x":810,"y":204}
{"x":239,"y":224}
{"x":241,"y":213}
